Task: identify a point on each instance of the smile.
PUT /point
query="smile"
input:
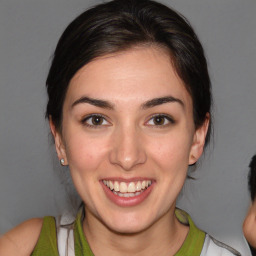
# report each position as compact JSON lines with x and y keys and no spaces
{"x":127,"y":189}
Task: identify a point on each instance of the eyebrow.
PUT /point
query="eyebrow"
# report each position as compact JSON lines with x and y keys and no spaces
{"x":162,"y":100}
{"x":94,"y":102}
{"x":148,"y":104}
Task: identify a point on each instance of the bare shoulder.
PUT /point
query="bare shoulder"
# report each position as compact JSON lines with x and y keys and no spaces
{"x":22,"y":239}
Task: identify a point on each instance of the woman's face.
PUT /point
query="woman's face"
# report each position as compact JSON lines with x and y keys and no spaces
{"x":249,"y":225}
{"x":128,"y":137}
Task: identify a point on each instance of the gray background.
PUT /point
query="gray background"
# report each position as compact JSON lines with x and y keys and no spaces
{"x":30,"y":185}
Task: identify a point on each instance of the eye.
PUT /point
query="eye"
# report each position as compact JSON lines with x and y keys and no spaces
{"x":95,"y":120}
{"x":160,"y":120}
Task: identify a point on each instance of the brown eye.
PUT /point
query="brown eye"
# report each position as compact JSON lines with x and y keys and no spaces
{"x":159,"y":120}
{"x":97,"y":120}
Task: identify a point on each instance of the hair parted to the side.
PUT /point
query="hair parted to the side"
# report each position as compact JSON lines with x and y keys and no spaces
{"x":118,"y":26}
{"x":252,"y":178}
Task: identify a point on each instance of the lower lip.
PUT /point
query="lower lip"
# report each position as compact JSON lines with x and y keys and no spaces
{"x":127,"y":201}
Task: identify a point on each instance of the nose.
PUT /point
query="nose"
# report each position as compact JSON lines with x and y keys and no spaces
{"x":127,"y":149}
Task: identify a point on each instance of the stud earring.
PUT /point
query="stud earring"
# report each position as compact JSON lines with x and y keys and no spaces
{"x":62,"y":161}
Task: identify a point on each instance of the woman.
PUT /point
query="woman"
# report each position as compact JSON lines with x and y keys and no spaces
{"x":249,"y":225}
{"x":129,"y":109}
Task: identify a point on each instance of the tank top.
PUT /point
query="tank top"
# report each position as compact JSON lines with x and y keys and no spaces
{"x":65,"y":237}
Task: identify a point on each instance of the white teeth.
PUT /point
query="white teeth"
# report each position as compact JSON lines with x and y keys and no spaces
{"x":131,"y":187}
{"x":120,"y":194}
{"x":127,"y":194}
{"x":111,"y":186}
{"x":123,"y":187}
{"x":116,"y":186}
{"x":138,"y":186}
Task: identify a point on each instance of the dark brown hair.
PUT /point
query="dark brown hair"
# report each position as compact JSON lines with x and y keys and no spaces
{"x":120,"y":25}
{"x":252,"y":178}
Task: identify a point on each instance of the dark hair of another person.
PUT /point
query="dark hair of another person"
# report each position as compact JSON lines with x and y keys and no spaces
{"x":252,"y":178}
{"x":252,"y":188}
{"x":120,"y":25}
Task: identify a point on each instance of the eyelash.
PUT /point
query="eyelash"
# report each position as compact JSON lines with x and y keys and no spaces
{"x":167,"y":118}
{"x":85,"y":120}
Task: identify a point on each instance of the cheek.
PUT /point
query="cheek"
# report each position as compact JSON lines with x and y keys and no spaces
{"x":249,"y":225}
{"x":85,"y":157}
{"x":171,"y":150}
{"x":84,"y":153}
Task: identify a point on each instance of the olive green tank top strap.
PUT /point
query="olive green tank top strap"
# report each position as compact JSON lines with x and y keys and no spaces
{"x":193,"y":244}
{"x":81,"y":245}
{"x":47,"y":242}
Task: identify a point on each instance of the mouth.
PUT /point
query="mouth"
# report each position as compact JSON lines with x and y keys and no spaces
{"x":127,"y":189}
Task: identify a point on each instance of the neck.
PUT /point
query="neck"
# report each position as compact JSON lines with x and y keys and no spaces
{"x":167,"y":232}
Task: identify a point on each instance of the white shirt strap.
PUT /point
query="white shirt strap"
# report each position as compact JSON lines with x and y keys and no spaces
{"x":65,"y":235}
{"x":213,"y":247}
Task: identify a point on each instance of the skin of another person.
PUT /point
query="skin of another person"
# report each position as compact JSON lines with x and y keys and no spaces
{"x":127,"y":117}
{"x":249,"y":226}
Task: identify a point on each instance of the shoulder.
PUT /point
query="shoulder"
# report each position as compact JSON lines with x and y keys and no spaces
{"x":210,"y":246}
{"x":22,"y":239}
{"x":214,"y":247}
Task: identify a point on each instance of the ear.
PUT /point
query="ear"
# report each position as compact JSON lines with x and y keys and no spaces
{"x":59,"y":145}
{"x":197,"y":147}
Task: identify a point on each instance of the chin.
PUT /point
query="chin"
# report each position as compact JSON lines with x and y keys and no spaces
{"x":128,"y":224}
{"x":133,"y":228}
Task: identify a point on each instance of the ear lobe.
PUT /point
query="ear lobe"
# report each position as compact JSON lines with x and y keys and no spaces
{"x":60,"y":148}
{"x":197,"y":147}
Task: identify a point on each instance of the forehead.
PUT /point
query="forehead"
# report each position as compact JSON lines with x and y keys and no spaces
{"x":139,"y":73}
